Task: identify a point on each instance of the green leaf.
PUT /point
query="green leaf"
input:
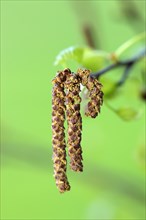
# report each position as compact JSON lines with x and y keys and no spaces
{"x":86,"y":56}
{"x":129,"y":44}
{"x":71,"y":53}
{"x":109,"y":87}
{"x":94,"y":59}
{"x":128,"y":113}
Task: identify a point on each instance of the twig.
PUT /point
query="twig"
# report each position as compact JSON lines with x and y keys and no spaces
{"x":128,"y":63}
{"x":125,"y":74}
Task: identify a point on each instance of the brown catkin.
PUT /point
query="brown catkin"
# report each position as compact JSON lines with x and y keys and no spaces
{"x":66,"y":97}
{"x":74,"y":120}
{"x":58,"y":140}
{"x":95,"y":93}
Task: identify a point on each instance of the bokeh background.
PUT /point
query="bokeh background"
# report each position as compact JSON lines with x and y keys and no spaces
{"x":112,"y":185}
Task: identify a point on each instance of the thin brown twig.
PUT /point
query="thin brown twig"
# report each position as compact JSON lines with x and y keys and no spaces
{"x":129,"y":63}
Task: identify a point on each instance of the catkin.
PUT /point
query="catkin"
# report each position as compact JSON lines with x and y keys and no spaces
{"x":74,"y":120}
{"x":58,"y":140}
{"x":66,"y":98}
{"x":95,"y":93}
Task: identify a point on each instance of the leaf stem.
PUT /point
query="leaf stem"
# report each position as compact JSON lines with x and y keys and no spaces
{"x":128,"y":44}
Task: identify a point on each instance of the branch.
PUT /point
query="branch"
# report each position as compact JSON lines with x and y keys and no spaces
{"x":127,"y":63}
{"x":125,"y":74}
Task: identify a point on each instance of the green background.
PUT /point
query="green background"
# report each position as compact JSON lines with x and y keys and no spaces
{"x":112,"y":184}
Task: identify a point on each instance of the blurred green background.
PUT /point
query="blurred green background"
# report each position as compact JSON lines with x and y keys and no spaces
{"x":112,"y":184}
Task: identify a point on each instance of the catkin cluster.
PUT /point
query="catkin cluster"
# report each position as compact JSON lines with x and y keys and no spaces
{"x":66,"y":102}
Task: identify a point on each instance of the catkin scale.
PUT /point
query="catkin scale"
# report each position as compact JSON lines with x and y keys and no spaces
{"x":58,"y":139}
{"x":74,"y":121}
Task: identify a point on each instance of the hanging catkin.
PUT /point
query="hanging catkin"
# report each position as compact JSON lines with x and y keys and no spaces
{"x":66,"y":97}
{"x":58,"y":118}
{"x":95,"y":93}
{"x":74,"y":120}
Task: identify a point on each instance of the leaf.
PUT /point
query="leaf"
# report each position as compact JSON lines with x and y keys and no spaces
{"x":136,"y":39}
{"x":109,"y":87}
{"x":94,"y":59}
{"x":71,"y":53}
{"x":86,"y":56}
{"x":128,"y":113}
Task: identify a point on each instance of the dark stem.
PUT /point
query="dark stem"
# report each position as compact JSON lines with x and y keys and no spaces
{"x":128,"y":63}
{"x":125,"y":74}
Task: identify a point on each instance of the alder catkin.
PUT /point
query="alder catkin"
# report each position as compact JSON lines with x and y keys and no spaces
{"x":74,"y":120}
{"x":58,"y":140}
{"x":66,"y":98}
{"x":95,"y":93}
